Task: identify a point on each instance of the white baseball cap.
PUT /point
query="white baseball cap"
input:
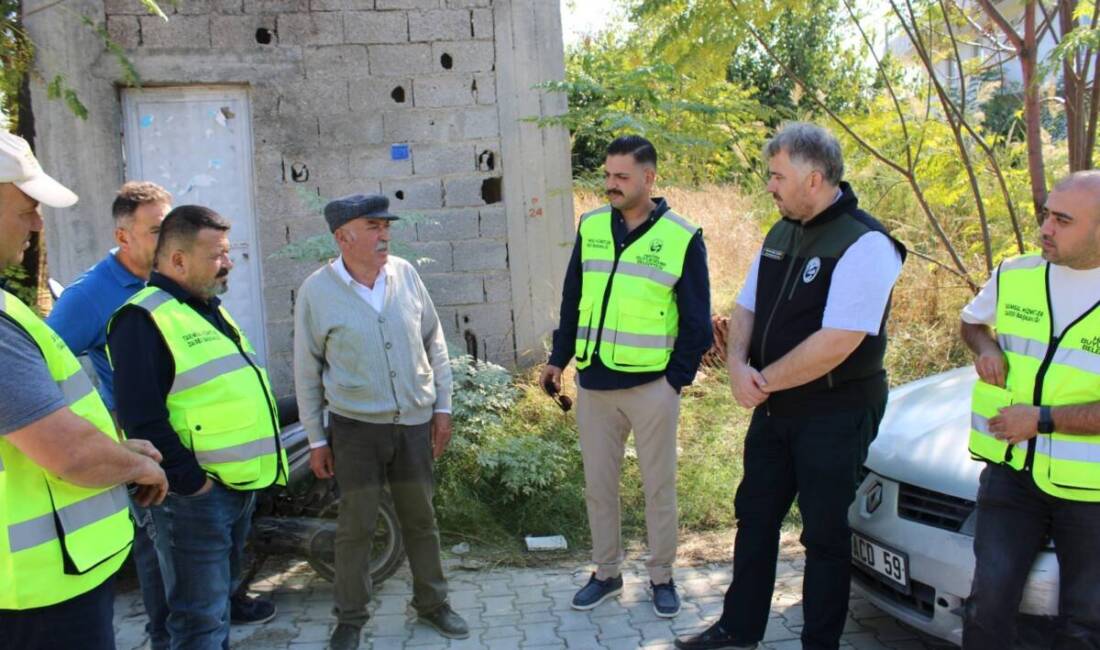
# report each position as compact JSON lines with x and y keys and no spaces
{"x":19,"y":166}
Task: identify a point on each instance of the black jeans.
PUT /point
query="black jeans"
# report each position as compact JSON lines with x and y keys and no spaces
{"x":1014,"y":519}
{"x":817,"y":458}
{"x":85,"y":622}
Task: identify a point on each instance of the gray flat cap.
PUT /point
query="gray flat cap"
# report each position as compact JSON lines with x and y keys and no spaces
{"x":368,"y":206}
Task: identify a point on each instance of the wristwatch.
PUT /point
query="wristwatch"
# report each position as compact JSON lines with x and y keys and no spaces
{"x":1046,"y":420}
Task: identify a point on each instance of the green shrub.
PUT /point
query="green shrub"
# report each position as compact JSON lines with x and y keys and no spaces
{"x":525,"y":466}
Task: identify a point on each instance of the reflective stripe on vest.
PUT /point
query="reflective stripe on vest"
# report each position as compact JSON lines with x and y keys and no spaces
{"x":59,"y":540}
{"x":220,"y":403}
{"x":1043,"y":370}
{"x":638,"y":330}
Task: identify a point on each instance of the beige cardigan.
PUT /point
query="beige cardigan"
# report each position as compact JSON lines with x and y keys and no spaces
{"x":373,"y":367}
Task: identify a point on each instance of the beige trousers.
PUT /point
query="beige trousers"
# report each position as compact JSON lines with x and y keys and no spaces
{"x":605,"y":419}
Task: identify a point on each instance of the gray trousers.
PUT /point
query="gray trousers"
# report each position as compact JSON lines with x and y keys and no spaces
{"x":368,"y":456}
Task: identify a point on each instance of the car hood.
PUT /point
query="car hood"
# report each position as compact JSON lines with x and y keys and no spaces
{"x":924,"y":435}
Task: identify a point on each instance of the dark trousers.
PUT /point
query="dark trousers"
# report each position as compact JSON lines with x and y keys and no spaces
{"x":199,"y":542}
{"x":84,"y":622}
{"x":147,"y":566}
{"x":815,"y":457}
{"x":1014,"y":519}
{"x":368,"y":456}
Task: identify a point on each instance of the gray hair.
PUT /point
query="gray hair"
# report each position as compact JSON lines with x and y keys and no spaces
{"x":809,"y":144}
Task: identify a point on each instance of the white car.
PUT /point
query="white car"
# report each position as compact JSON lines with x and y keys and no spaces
{"x":913,"y":517}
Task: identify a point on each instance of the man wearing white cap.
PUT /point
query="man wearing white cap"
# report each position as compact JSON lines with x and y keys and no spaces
{"x":64,"y":521}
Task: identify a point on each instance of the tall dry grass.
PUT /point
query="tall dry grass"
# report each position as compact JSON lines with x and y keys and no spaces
{"x":923,"y":326}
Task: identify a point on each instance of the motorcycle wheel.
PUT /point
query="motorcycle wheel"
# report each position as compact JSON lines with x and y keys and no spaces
{"x":387,"y":552}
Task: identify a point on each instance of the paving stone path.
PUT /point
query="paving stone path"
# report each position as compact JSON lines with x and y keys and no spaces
{"x":510,"y":609}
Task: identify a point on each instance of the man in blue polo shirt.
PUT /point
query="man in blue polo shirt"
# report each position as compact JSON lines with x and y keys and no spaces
{"x":80,"y":318}
{"x":81,"y":314}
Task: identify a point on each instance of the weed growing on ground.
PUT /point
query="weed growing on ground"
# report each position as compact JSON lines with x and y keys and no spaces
{"x":514,"y":466}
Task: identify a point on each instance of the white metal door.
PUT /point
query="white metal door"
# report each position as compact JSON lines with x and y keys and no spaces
{"x":197,"y":143}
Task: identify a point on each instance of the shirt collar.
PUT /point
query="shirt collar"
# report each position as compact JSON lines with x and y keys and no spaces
{"x":120,"y":273}
{"x":660,"y":206}
{"x":342,"y":271}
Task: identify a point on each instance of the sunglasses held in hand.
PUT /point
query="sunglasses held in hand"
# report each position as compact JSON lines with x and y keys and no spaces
{"x":563,"y":400}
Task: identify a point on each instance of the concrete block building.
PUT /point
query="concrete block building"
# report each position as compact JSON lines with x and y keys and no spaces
{"x":264,"y":109}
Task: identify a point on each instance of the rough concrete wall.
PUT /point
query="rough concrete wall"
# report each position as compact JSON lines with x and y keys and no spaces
{"x":333,"y":85}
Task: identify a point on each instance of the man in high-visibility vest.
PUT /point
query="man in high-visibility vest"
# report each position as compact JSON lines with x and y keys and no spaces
{"x":188,"y":380}
{"x":1035,"y":332}
{"x":635,"y":314}
{"x":63,"y":507}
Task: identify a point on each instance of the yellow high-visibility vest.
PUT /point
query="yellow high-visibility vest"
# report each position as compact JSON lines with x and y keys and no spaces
{"x":57,"y":540}
{"x":220,"y":404}
{"x":628,"y":307}
{"x":1046,"y":370}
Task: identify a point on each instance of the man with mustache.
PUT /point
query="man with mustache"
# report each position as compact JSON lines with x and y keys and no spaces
{"x":1036,"y":423}
{"x":635,"y":313}
{"x":188,"y":380}
{"x":369,"y":345}
{"x":806,"y":345}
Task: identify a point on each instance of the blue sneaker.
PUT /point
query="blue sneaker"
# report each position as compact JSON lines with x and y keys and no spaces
{"x":597,"y":591}
{"x":666,"y":602}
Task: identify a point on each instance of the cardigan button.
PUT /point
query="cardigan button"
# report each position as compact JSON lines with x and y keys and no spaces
{"x":393,"y":373}
{"x":388,"y":345}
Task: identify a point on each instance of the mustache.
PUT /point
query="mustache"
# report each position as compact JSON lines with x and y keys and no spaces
{"x":382,"y":246}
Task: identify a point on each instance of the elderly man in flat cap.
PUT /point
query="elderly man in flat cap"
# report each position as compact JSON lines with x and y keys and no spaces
{"x":369,"y":346}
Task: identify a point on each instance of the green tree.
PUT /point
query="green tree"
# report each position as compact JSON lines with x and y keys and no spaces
{"x":616,"y":86}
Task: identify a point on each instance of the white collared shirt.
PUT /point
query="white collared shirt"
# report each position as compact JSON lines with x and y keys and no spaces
{"x":374,"y":296}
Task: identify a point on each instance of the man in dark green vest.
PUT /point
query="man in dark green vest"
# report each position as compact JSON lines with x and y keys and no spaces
{"x":1035,"y":423}
{"x":806,"y":346}
{"x":635,"y":313}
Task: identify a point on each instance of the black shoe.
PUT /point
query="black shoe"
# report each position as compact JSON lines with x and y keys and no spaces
{"x":666,"y":603}
{"x":714,"y":637}
{"x":244,"y":610}
{"x":445,"y":621}
{"x":345,"y":637}
{"x":597,"y":591}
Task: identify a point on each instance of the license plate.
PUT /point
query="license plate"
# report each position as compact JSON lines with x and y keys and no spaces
{"x":883,"y":560}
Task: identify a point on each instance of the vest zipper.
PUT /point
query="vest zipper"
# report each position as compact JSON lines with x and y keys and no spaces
{"x":775,"y":306}
{"x":236,"y":338}
{"x":1052,"y":347}
{"x":607,"y":295}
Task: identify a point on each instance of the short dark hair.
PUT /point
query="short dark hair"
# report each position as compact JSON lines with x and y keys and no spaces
{"x":134,"y":194}
{"x":183,"y":224}
{"x":636,"y":146}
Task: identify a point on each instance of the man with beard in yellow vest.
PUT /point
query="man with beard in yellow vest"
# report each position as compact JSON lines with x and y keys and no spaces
{"x":635,"y":314}
{"x":1035,"y":332}
{"x":63,"y":508}
{"x":188,"y":380}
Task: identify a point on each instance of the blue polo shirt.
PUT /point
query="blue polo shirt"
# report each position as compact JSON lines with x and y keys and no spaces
{"x":80,"y":315}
